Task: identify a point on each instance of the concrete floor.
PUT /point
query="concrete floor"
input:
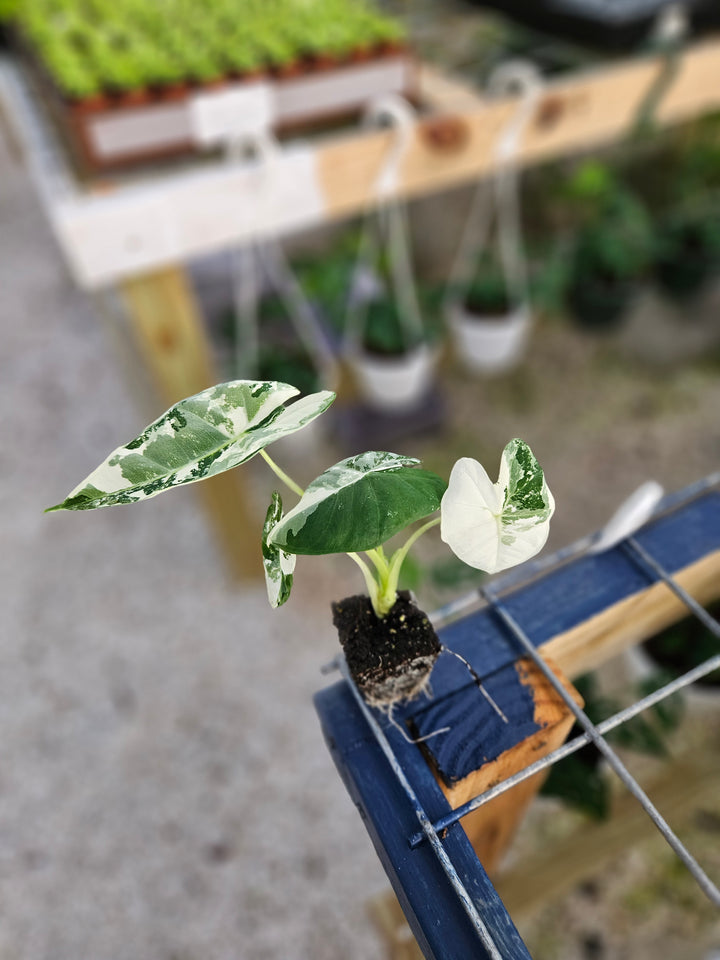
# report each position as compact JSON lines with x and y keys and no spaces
{"x":165,"y":792}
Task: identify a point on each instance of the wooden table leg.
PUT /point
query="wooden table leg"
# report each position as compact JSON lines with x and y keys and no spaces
{"x":171,"y":339}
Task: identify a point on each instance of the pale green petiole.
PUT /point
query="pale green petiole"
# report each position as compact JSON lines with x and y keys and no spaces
{"x":398,"y":557}
{"x":384,"y":594}
{"x":370,"y":581}
{"x":281,"y":475}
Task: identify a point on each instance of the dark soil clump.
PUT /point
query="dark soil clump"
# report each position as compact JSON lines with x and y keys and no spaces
{"x":389,"y":659}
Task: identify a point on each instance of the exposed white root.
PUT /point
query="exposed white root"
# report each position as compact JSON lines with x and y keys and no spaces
{"x":406,"y":684}
{"x":406,"y":736}
{"x":478,"y":683}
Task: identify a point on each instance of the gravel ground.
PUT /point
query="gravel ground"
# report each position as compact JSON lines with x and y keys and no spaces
{"x":165,"y":792}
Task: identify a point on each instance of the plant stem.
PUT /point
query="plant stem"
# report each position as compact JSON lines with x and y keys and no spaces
{"x":398,"y":557}
{"x":379,"y":561}
{"x":370,"y":581}
{"x":288,"y":481}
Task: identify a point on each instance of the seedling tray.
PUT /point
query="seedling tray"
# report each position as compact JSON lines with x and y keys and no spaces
{"x":114,"y":133}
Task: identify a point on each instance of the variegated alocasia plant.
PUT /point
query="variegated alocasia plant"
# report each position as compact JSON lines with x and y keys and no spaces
{"x":354,"y":507}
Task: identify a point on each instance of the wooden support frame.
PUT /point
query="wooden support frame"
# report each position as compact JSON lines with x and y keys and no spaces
{"x":491,"y":828}
{"x":115,"y":232}
{"x":135,"y":227}
{"x":596,"y":603}
{"x":169,"y":333}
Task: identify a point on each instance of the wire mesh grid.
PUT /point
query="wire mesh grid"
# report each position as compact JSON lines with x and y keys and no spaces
{"x":432,"y":831}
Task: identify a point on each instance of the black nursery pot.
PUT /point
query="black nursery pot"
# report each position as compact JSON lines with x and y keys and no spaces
{"x":683,"y":273}
{"x":682,"y":278}
{"x":599,"y":304}
{"x":390,"y":659}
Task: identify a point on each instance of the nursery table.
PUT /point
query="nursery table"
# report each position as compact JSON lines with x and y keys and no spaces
{"x":135,"y":233}
{"x":572,"y":611}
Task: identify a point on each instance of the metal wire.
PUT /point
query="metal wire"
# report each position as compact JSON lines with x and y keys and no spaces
{"x":594,"y":735}
{"x":572,"y":746}
{"x":634,"y":549}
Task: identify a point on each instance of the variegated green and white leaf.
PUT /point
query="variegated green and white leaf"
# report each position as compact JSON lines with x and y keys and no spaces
{"x":493,"y":526}
{"x":358,"y":504}
{"x":279,"y":566}
{"x":207,"y":434}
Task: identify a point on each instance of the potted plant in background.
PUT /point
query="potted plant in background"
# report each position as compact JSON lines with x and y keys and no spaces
{"x":687,"y":253}
{"x":489,"y":324}
{"x":612,"y":249}
{"x":353,"y":507}
{"x":394,"y":365}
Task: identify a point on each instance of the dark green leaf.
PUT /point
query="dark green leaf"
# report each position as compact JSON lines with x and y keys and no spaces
{"x":358,"y":504}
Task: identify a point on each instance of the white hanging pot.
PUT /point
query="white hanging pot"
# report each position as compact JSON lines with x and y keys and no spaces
{"x":489,"y":344}
{"x":394,"y":384}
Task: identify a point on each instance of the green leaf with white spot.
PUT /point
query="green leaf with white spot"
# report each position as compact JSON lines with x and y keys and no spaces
{"x":493,"y":526}
{"x":204,"y":435}
{"x":358,"y":504}
{"x":279,"y":565}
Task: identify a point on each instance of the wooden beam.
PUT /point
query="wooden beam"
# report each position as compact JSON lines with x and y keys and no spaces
{"x":575,"y":113}
{"x":544,"y":877}
{"x":681,"y":789}
{"x":632,"y":620}
{"x":171,"y":339}
{"x":492,"y":827}
{"x":143,"y":226}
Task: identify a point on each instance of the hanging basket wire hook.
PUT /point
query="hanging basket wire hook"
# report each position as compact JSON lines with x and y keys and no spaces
{"x":400,"y":115}
{"x":518,"y":77}
{"x":269,"y":256}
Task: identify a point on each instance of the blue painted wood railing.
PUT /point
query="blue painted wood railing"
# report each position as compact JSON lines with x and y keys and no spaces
{"x":558,"y":599}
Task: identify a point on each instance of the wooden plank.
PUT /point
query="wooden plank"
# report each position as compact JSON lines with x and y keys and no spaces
{"x":444,"y":92}
{"x":545,"y":877}
{"x":149,"y":225}
{"x":9,"y":134}
{"x":624,"y":624}
{"x":169,"y":333}
{"x":576,"y":113}
{"x":492,"y":827}
{"x":589,"y":598}
{"x":682,"y":788}
{"x":171,"y":339}
{"x":554,"y":602}
{"x":432,"y":907}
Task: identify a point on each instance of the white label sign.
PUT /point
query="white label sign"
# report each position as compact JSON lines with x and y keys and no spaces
{"x":223,"y":115}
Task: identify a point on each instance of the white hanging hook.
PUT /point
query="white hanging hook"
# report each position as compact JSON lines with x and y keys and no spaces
{"x":402,"y":118}
{"x":262,"y":142}
{"x":515,"y":77}
{"x":672,"y":24}
{"x":632,"y":514}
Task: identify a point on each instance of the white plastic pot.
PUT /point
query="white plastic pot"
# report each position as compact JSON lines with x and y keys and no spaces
{"x":394,"y":384}
{"x":489,"y":344}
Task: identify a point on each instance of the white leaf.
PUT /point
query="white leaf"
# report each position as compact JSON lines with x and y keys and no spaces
{"x":493,"y":526}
